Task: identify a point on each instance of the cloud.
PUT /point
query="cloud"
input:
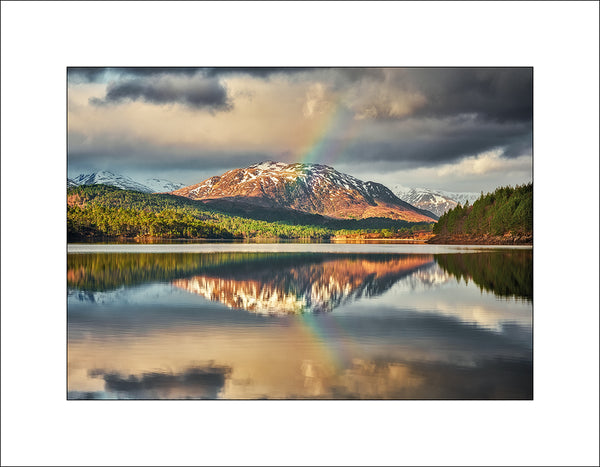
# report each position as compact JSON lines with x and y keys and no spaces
{"x":430,"y":142}
{"x":97,"y":74}
{"x":498,"y":94}
{"x":195,"y":93}
{"x":482,"y":172}
{"x":316,"y":102}
{"x":257,"y":72}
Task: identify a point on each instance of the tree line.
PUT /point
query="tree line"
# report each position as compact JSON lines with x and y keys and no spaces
{"x":106,"y":211}
{"x":507,"y":210}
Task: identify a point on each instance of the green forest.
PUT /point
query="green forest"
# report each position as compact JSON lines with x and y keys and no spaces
{"x":95,"y":211}
{"x":507,"y":210}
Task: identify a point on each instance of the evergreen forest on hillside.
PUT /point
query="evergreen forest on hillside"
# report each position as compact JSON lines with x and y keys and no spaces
{"x":507,"y":210}
{"x":104,"y":211}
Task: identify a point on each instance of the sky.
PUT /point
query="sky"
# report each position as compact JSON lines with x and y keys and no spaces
{"x":454,"y":129}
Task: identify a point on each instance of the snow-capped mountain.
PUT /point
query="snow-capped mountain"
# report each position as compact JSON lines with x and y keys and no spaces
{"x":104,"y":177}
{"x":309,"y":188}
{"x":160,"y":185}
{"x":436,"y":201}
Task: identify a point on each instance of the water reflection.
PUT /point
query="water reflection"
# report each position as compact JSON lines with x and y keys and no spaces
{"x":507,"y":273}
{"x":319,"y":286}
{"x":293,"y":325}
{"x":192,"y":383}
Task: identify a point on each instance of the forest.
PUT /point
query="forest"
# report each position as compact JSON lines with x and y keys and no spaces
{"x":96,"y":211}
{"x":506,"y":211}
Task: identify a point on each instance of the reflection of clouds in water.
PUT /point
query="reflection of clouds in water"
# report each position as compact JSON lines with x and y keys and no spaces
{"x":361,"y":379}
{"x":497,"y":320}
{"x":487,"y":379}
{"x":198,"y":382}
{"x":432,"y":290}
{"x":381,"y":379}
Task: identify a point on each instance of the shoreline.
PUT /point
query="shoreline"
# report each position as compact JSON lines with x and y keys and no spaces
{"x":481,"y":240}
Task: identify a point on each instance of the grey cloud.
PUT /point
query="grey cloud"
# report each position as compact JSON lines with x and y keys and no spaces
{"x":497,"y":94}
{"x":96,"y":74}
{"x":429,"y":142}
{"x":85,"y":74}
{"x":500,"y":94}
{"x":196,"y":93}
{"x":257,"y":72}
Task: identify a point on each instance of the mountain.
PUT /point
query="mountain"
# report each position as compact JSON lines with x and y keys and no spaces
{"x":306,"y":188}
{"x":104,"y":177}
{"x":160,"y":185}
{"x":436,"y":201}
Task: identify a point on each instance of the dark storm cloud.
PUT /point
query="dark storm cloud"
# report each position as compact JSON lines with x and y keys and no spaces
{"x":85,"y":75}
{"x":256,"y":72}
{"x":199,"y":382}
{"x":500,"y":94}
{"x":96,"y":74}
{"x":196,"y":93}
{"x":440,"y":142}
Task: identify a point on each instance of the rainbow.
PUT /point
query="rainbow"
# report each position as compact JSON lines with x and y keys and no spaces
{"x":334,"y":351}
{"x":322,"y":149}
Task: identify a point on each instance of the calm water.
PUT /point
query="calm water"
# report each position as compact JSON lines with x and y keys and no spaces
{"x":287,"y":321}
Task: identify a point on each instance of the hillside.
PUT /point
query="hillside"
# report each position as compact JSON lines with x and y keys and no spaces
{"x":305,"y":188}
{"x":104,"y":211}
{"x":502,"y":217}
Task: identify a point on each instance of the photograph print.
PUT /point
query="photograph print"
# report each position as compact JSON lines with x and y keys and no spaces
{"x":299,"y":233}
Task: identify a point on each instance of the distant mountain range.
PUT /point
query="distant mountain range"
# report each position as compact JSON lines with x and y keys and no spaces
{"x":436,"y":201}
{"x":104,"y":177}
{"x":307,"y":188}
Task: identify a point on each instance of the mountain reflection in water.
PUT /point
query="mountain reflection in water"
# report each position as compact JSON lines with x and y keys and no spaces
{"x":313,"y":287}
{"x":300,"y":325}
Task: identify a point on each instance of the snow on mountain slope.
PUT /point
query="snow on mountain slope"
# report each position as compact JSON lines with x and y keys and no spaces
{"x":309,"y":188}
{"x":160,"y":185}
{"x":436,"y":201}
{"x":104,"y":177}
